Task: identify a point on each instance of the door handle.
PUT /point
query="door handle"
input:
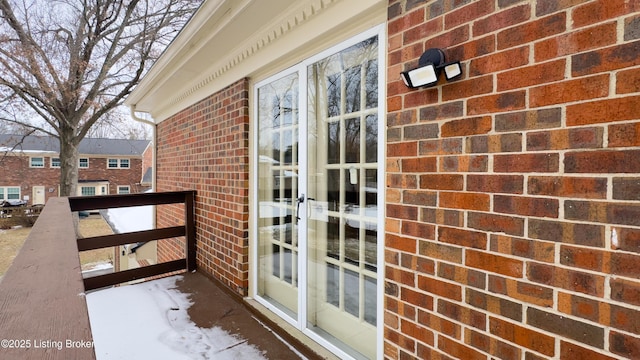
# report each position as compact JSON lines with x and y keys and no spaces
{"x":299,"y":201}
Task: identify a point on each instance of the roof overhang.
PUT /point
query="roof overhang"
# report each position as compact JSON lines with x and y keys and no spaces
{"x":227,"y":40}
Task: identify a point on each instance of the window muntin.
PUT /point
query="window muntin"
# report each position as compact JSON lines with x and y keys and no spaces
{"x":88,"y":190}
{"x":118,"y":163}
{"x":124,"y":189}
{"x":55,"y":162}
{"x":83,"y":163}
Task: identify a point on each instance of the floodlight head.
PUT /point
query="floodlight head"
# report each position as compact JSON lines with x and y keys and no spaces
{"x":430,"y":64}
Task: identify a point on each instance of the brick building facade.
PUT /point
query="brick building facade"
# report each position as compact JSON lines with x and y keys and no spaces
{"x":510,"y":196}
{"x":31,"y":170}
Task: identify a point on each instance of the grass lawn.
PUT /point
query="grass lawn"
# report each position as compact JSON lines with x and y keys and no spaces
{"x":11,"y":241}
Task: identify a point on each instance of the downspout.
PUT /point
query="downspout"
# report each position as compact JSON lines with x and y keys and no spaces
{"x":154,"y":164}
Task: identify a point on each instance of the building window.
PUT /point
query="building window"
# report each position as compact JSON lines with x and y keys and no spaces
{"x":124,"y":189}
{"x":88,"y":190}
{"x":118,"y":163}
{"x":37,"y":162}
{"x":55,"y":162}
{"x":83,"y":163}
{"x":9,"y":193}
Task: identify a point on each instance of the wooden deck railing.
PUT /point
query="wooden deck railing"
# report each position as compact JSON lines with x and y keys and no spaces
{"x":86,"y":203}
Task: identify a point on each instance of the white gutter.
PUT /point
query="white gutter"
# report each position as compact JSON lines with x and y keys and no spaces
{"x":154,"y":164}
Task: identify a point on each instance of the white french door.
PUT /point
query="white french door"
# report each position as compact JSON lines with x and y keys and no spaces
{"x":319,"y":186}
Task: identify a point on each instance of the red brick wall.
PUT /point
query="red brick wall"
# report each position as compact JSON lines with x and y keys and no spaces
{"x":206,"y":148}
{"x":16,"y":172}
{"x":513,"y":221}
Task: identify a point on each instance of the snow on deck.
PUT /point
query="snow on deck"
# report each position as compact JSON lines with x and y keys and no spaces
{"x":150,"y":321}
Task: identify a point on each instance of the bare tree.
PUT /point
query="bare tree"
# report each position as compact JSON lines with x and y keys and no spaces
{"x":65,"y":64}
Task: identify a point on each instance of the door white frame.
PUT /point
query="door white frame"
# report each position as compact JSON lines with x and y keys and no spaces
{"x":300,"y":322}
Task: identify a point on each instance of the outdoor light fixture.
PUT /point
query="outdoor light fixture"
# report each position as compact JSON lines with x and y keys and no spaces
{"x":430,"y":65}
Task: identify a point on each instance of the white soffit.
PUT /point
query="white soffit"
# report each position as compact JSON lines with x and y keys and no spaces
{"x":227,"y":40}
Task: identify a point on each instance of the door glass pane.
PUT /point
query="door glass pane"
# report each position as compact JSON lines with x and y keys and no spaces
{"x":277,"y":190}
{"x":342,"y":186}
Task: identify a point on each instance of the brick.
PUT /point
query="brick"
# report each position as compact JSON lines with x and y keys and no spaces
{"x":415,"y":331}
{"x":523,"y":163}
{"x":450,"y":38}
{"x":402,"y":149}
{"x":462,"y":275}
{"x":523,"y":291}
{"x":568,"y":233}
{"x":614,"y":213}
{"x":563,"y":139}
{"x":502,"y":19}
{"x":442,"y":182}
{"x":466,"y":127}
{"x":419,"y":165}
{"x":494,"y":263}
{"x":602,"y":10}
{"x":601,"y":111}
{"x":632,"y":28}
{"x":473,"y":163}
{"x":510,"y":184}
{"x":417,"y":263}
{"x":400,"y":276}
{"x":546,"y":7}
{"x":440,"y":288}
{"x":402,"y":181}
{"x":572,"y":351}
{"x":566,"y":327}
{"x":528,"y":120}
{"x":462,"y":314}
{"x":494,"y":304}
{"x":542,"y":251}
{"x":416,"y":229}
{"x":495,"y":143}
{"x":625,"y":319}
{"x":419,"y":197}
{"x":491,"y":345}
{"x":625,"y":265}
{"x":458,"y":350}
{"x":419,"y":299}
{"x":402,"y":212}
{"x":572,"y":280}
{"x":624,"y":135}
{"x":582,"y":307}
{"x":624,"y":345}
{"x":496,"y":223}
{"x":402,"y":341}
{"x":522,"y":336}
{"x":467,"y":88}
{"x":586,"y":88}
{"x":628,"y":81}
{"x":440,"y":146}
{"x":576,"y":42}
{"x":422,"y":30}
{"x":605,"y":161}
{"x":527,"y":76}
{"x":473,"y":49}
{"x":407,"y":21}
{"x":442,"y":111}
{"x":585,"y":258}
{"x":532,"y":31}
{"x":526,"y":206}
{"x":496,"y":103}
{"x":499,"y":61}
{"x":463,"y":237}
{"x":442,"y":216}
{"x":433,"y":250}
{"x":564,"y":186}
{"x":625,"y":291}
{"x":466,"y":14}
{"x":420,"y":132}
{"x":626,"y":188}
{"x":402,"y":118}
{"x":463,"y":200}
{"x":625,"y":239}
{"x":439,"y":324}
{"x":606,"y":60}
